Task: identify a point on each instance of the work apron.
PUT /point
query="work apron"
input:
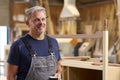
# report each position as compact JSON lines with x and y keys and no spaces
{"x":42,"y":67}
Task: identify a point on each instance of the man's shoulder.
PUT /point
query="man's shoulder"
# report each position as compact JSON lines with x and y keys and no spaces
{"x":18,"y":41}
{"x":52,"y":39}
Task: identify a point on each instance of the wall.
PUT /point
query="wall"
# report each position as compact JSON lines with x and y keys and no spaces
{"x":95,"y":15}
{"x":4,"y":13}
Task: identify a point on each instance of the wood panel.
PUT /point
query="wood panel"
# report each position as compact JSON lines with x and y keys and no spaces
{"x":55,"y":13}
{"x":85,"y":70}
{"x":17,"y":10}
{"x":95,"y":16}
{"x":4,"y":13}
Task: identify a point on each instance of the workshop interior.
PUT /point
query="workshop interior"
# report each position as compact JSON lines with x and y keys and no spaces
{"x":88,"y":33}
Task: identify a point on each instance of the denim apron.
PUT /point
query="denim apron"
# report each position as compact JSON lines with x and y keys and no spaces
{"x":41,"y":66}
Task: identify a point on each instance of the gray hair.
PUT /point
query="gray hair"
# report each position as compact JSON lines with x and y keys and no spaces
{"x":31,"y":10}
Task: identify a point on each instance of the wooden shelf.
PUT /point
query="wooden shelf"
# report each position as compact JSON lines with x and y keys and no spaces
{"x":96,"y":35}
{"x":85,"y":70}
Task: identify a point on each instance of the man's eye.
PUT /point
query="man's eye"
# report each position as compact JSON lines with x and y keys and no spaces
{"x":43,"y":19}
{"x":36,"y":19}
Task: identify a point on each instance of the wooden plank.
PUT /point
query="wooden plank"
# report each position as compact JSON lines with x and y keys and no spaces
{"x":84,"y":68}
{"x":97,"y":35}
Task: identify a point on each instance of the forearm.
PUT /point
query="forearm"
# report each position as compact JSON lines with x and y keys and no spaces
{"x":10,"y":77}
{"x":11,"y":72}
{"x":59,"y":67}
{"x":59,"y":70}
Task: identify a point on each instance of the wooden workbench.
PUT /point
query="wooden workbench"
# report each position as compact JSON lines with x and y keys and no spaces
{"x":85,"y":70}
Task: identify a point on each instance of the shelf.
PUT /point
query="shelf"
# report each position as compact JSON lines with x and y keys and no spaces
{"x":96,"y":35}
{"x":78,"y":70}
{"x":19,"y":22}
{"x":80,"y":64}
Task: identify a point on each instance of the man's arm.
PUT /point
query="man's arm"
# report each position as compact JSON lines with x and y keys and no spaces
{"x":11,"y":71}
{"x":59,"y":70}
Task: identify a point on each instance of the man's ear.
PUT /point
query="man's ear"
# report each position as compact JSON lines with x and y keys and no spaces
{"x":27,"y":23}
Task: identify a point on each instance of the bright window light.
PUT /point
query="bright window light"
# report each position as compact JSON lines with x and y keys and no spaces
{"x":3,"y":41}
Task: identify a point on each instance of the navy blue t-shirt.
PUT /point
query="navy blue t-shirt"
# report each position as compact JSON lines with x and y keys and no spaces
{"x":20,"y":56}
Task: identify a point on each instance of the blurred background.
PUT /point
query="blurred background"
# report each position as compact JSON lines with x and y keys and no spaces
{"x":67,"y":19}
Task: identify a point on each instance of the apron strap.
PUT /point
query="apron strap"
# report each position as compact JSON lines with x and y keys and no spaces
{"x":32,"y":52}
{"x":50,"y":45}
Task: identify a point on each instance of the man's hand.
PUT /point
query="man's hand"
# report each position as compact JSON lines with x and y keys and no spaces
{"x":58,"y":75}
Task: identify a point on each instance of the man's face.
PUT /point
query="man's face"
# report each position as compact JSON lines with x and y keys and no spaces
{"x":37,"y":22}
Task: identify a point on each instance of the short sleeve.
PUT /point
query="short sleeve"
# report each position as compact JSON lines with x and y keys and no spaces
{"x":14,"y":56}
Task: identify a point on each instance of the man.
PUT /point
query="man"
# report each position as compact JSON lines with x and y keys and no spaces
{"x":35,"y":56}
